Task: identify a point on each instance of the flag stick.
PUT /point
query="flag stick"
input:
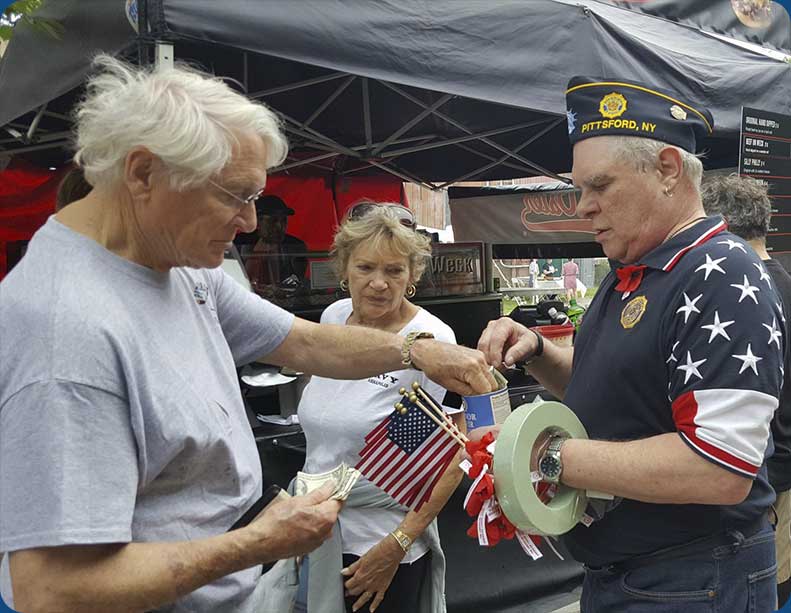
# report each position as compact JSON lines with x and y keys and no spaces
{"x":437,"y":410}
{"x":441,"y":423}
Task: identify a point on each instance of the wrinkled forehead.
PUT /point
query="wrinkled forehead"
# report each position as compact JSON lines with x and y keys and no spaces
{"x":594,"y":158}
{"x":380,"y":249}
{"x":247,"y":165}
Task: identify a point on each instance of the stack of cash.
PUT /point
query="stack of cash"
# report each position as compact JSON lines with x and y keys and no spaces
{"x":343,"y":477}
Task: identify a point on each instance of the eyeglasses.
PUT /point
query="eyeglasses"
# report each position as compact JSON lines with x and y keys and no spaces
{"x":244,"y":201}
{"x":403,"y":214}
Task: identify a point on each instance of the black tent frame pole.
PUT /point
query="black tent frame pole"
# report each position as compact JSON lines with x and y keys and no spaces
{"x":380,"y":155}
{"x":142,"y":33}
{"x":508,"y":153}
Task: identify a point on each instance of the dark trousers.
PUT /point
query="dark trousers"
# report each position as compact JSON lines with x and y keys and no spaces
{"x":784,"y":593}
{"x":403,"y":594}
{"x":739,"y":576}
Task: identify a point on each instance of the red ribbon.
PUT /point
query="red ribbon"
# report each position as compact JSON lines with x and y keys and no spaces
{"x":629,"y":277}
{"x":482,"y":492}
{"x":499,"y":528}
{"x":478,"y":454}
{"x":496,"y":530}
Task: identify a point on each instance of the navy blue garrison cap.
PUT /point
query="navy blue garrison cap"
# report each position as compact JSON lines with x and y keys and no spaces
{"x":606,"y":107}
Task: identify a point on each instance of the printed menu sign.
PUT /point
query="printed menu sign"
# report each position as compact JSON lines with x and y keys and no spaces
{"x":765,"y":154}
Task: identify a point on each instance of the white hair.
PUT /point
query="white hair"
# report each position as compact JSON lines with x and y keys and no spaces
{"x":642,"y":153}
{"x":189,"y":119}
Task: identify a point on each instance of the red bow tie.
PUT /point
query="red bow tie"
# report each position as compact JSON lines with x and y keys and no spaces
{"x":629,"y":277}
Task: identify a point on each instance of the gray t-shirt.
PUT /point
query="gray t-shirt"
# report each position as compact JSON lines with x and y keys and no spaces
{"x":121,"y":417}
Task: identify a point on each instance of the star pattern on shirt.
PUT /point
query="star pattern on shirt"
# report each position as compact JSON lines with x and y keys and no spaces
{"x":673,"y":357}
{"x":691,"y":368}
{"x":782,"y":314}
{"x":747,"y":290}
{"x":722,"y":341}
{"x":717,"y":327}
{"x":689,"y":306}
{"x":709,"y":265}
{"x":732,"y":244}
{"x":749,"y":360}
{"x":764,"y":275}
{"x":774,"y":333}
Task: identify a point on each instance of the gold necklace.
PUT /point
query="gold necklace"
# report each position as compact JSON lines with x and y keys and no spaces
{"x":687,"y":225}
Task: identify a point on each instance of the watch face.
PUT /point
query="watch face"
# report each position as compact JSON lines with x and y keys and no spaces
{"x":549,"y":467}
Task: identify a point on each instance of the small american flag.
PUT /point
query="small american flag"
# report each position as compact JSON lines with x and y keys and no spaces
{"x":406,"y":455}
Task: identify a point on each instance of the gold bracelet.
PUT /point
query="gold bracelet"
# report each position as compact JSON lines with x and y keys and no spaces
{"x":402,"y":539}
{"x":406,"y":347}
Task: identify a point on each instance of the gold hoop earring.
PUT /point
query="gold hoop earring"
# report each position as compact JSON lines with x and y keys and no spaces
{"x":344,"y":285}
{"x":668,"y":193}
{"x":411,"y":290}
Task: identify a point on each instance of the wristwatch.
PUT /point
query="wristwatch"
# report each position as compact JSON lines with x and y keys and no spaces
{"x":406,"y":347}
{"x":550,"y":465}
{"x":402,"y":538}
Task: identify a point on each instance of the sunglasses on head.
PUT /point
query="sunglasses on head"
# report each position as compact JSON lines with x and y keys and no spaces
{"x":403,"y":214}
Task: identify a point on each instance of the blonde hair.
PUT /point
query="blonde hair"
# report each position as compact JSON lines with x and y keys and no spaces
{"x":378,"y":227}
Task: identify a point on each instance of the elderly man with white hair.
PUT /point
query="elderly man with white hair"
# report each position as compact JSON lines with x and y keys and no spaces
{"x":125,"y":451}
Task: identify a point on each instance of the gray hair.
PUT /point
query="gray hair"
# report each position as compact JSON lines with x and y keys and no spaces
{"x":380,"y":227}
{"x":743,"y":202}
{"x":642,"y":153}
{"x":189,"y":119}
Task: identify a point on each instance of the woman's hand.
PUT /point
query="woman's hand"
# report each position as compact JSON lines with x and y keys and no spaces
{"x":370,"y":576}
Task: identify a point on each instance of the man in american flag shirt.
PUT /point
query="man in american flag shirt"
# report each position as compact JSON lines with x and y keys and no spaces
{"x":675,"y":372}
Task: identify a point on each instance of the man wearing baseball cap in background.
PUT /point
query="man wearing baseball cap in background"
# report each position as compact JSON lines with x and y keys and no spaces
{"x":280,"y":257}
{"x":672,"y":374}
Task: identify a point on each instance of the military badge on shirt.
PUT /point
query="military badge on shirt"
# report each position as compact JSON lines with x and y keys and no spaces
{"x":201,"y":292}
{"x":633,"y":312}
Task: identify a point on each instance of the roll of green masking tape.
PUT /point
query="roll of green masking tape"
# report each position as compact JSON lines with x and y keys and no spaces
{"x":512,"y":475}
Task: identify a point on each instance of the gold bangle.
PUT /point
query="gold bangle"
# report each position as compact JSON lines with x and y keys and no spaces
{"x":402,"y":539}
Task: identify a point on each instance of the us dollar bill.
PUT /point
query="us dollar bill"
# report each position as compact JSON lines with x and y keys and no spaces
{"x":343,"y":478}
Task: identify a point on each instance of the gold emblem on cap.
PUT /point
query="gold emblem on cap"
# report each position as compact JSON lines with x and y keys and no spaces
{"x":612,"y":105}
{"x":678,"y":113}
{"x":633,"y":312}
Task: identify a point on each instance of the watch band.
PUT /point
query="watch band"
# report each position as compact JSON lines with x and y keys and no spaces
{"x":540,"y":348}
{"x":402,"y":539}
{"x":406,"y":347}
{"x":556,"y":443}
{"x":536,"y":354}
{"x":552,"y":454}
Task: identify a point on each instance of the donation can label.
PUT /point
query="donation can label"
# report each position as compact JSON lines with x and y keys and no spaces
{"x":487,"y":409}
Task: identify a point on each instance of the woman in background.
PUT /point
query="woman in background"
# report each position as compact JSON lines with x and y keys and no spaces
{"x":391,"y":556}
{"x":570,"y":273}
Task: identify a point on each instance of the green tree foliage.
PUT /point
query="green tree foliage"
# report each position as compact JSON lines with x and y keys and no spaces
{"x":22,"y":10}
